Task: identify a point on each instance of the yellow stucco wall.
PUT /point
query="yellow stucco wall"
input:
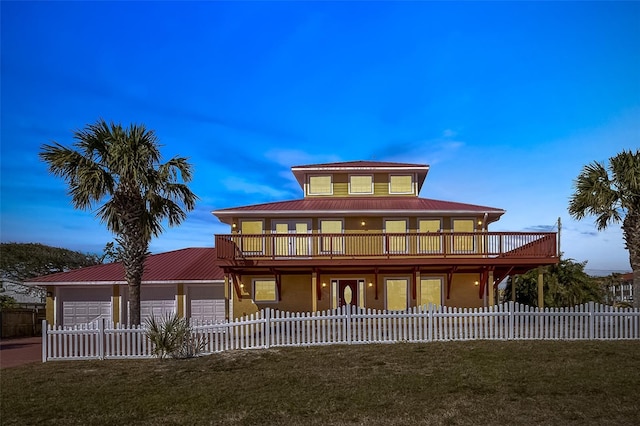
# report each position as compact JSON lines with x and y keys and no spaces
{"x":115,"y":304}
{"x":464,"y":292}
{"x":370,"y":300}
{"x":181,"y":299}
{"x":242,"y":302}
{"x":296,"y":295}
{"x":50,"y":305}
{"x":299,"y":295}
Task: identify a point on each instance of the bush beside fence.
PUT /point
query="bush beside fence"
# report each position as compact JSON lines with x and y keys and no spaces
{"x":352,"y":325}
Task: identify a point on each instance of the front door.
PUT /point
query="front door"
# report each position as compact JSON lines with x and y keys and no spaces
{"x":347,"y":293}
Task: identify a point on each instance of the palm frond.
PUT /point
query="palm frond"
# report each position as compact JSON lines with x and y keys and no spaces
{"x":595,"y":195}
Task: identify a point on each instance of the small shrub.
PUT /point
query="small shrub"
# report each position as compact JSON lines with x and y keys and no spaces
{"x":7,"y":302}
{"x":172,"y":337}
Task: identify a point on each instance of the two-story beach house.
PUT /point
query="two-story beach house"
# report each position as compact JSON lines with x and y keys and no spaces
{"x":361,"y":235}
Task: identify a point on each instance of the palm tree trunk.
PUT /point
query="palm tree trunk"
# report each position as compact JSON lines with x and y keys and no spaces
{"x":631,"y":233}
{"x":133,"y":270}
{"x":636,"y":288}
{"x":134,"y":303}
{"x":135,"y":244}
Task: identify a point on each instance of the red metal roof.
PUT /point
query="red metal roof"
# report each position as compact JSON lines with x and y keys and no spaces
{"x":360,"y":205}
{"x":356,"y":164}
{"x":189,"y":264}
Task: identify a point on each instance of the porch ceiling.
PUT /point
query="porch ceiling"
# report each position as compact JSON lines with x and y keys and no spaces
{"x":304,"y":266}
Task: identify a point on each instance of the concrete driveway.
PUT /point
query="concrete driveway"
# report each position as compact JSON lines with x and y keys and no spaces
{"x":16,"y":352}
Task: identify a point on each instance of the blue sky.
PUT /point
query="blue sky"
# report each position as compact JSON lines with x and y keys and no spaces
{"x":506,"y":101}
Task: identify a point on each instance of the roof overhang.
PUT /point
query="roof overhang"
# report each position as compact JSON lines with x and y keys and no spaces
{"x":227,"y":216}
{"x":112,"y":283}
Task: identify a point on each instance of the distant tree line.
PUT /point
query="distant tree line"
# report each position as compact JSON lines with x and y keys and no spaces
{"x":21,"y":261}
{"x":564,"y":284}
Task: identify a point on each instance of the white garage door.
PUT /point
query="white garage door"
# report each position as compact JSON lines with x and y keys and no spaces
{"x":158,"y":301}
{"x":83,"y":312}
{"x":159,"y":309}
{"x":206,"y":303}
{"x":207,"y":310}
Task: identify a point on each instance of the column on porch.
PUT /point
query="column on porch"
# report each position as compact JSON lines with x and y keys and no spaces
{"x":181,"y":301}
{"x":115,"y":304}
{"x":491,"y":289}
{"x":540,"y":288}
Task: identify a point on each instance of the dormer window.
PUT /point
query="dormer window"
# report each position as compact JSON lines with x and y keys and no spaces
{"x":400,"y":184}
{"x":320,"y":185}
{"x":360,"y":184}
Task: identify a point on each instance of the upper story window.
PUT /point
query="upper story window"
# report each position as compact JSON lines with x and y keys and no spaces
{"x":400,"y":184}
{"x":251,"y":244}
{"x":320,"y":185}
{"x":359,"y":184}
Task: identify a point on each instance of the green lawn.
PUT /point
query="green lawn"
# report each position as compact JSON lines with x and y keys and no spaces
{"x":456,"y":383}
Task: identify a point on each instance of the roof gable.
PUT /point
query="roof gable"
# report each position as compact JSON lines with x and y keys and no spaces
{"x":189,"y":264}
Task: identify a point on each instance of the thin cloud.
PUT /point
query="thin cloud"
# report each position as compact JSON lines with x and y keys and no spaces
{"x":589,"y":233}
{"x":540,"y":228}
{"x":290,"y":158}
{"x":429,"y":151}
{"x":240,"y":185}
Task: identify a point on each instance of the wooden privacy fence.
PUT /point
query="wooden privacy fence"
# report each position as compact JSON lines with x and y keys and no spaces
{"x":352,"y":325}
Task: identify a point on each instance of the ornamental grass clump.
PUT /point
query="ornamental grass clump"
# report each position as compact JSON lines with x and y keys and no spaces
{"x":172,"y":337}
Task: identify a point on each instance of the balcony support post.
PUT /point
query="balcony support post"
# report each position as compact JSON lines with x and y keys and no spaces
{"x":236,"y":278}
{"x":314,"y":284}
{"x":228,"y":296}
{"x":483,"y":284}
{"x":450,"y":279}
{"x":413,"y":286}
{"x":375,"y":280}
{"x":491,"y":288}
{"x":540,"y":289}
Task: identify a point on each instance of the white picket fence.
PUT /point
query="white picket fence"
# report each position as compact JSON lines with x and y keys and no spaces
{"x":352,"y":325}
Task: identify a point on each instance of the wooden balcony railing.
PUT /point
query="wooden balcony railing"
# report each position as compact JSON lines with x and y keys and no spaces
{"x":382,"y":245}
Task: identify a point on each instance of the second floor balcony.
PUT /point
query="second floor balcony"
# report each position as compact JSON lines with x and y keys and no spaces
{"x":363,"y":246}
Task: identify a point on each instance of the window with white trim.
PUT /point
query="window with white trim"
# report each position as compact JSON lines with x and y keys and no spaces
{"x":396,"y":243}
{"x":430,"y":244}
{"x":333,"y":244}
{"x":397,"y":294}
{"x":320,"y":185}
{"x":431,"y":291}
{"x":265,"y":290}
{"x":360,"y":184}
{"x":251,"y":244}
{"x":464,"y":243}
{"x":400,"y":184}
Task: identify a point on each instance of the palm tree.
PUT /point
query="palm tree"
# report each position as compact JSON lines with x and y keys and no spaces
{"x":122,"y":166}
{"x":612,"y":194}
